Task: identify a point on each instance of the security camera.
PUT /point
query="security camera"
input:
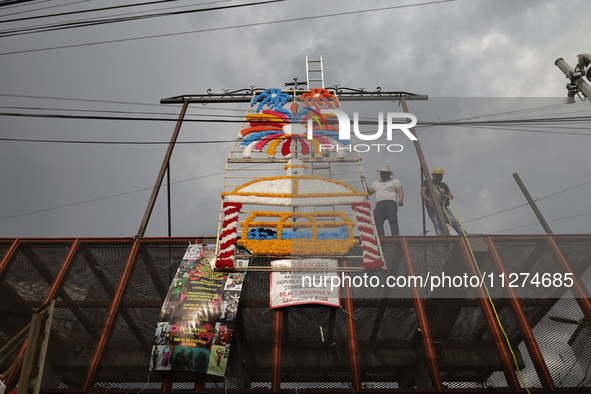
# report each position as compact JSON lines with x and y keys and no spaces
{"x":584,"y":65}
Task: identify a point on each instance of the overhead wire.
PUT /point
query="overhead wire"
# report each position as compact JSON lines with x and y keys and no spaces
{"x":115,"y":142}
{"x":522,"y":205}
{"x":490,"y":300}
{"x":93,"y":10}
{"x":44,"y":8}
{"x":535,"y":224}
{"x":21,"y":3}
{"x":229,"y":27}
{"x":130,"y":13}
{"x":118,"y":112}
{"x":110,"y":101}
{"x":228,"y":141}
{"x":119,"y":194}
{"x":86,"y":23}
{"x":122,"y":118}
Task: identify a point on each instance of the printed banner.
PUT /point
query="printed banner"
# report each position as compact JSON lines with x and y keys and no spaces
{"x":311,"y":285}
{"x":197,"y":318}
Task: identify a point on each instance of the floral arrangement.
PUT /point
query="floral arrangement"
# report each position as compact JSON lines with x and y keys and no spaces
{"x":274,"y":98}
{"x":304,"y":190}
{"x":317,"y":97}
{"x":369,"y":243}
{"x":280,"y":242}
{"x":274,"y":123}
{"x":227,"y":241}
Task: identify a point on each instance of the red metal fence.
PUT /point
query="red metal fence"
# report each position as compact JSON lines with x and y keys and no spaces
{"x":109,"y":293}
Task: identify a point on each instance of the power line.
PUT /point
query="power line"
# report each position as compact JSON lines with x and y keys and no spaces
{"x":106,"y":197}
{"x":119,"y":112}
{"x":19,"y":3}
{"x":125,"y":118}
{"x":522,"y":205}
{"x":86,"y":11}
{"x":117,"y":195}
{"x":115,"y":142}
{"x":228,"y":27}
{"x":78,"y":99}
{"x":109,"y":101}
{"x":122,"y":14}
{"x":86,"y":23}
{"x":43,"y":8}
{"x":534,"y":224}
{"x":562,"y":191}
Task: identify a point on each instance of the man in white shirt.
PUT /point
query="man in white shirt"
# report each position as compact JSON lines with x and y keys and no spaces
{"x":389,"y":197}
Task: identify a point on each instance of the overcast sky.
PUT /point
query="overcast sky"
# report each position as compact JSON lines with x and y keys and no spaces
{"x":472,"y":58}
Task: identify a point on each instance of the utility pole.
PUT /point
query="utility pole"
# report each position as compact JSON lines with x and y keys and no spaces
{"x":533,"y":205}
{"x":425,"y":170}
{"x":163,"y":169}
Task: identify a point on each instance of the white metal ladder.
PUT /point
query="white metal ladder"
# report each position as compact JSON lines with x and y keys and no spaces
{"x":312,"y":67}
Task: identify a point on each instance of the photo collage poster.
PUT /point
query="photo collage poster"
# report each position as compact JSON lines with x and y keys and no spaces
{"x":196,"y":322}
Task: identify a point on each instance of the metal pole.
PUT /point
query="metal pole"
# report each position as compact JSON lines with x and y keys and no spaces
{"x":109,"y":325}
{"x":423,"y":323}
{"x":523,"y":322}
{"x":533,"y":205}
{"x":354,"y":361}
{"x":491,"y":323}
{"x":142,"y":230}
{"x":425,"y":170}
{"x":575,"y":79}
{"x":168,"y":197}
{"x":423,"y":206}
{"x":276,"y":354}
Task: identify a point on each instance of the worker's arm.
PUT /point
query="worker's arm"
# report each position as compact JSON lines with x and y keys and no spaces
{"x":425,"y":197}
{"x":371,"y":191}
{"x":400,"y":195}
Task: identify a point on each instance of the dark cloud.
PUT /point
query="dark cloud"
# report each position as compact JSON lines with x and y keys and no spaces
{"x":454,"y":49}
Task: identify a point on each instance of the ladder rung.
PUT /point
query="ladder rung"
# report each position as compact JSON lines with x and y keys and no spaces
{"x":313,"y":61}
{"x":315,"y":71}
{"x":310,"y":80}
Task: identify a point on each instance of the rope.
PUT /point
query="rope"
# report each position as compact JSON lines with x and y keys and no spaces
{"x":487,"y":292}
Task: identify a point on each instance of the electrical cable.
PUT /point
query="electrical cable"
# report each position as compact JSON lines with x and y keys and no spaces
{"x":522,"y":205}
{"x":108,"y":101}
{"x":121,"y":14}
{"x":86,"y":11}
{"x":490,"y":300}
{"x":535,"y":224}
{"x":126,"y":118}
{"x":122,"y":112}
{"x":116,"y":142}
{"x":106,"y":197}
{"x":228,"y":27}
{"x":71,"y":25}
{"x":119,"y":194}
{"x":19,"y":3}
{"x":44,"y":8}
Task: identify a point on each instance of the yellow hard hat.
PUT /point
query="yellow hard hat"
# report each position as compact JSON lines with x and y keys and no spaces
{"x":438,"y":170}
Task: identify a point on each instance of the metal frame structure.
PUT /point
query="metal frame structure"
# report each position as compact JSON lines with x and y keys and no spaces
{"x":59,"y":261}
{"x":36,"y":330}
{"x":246,"y":95}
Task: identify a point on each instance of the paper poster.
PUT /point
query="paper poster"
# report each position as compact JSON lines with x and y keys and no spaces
{"x":310,"y":283}
{"x":197,"y":318}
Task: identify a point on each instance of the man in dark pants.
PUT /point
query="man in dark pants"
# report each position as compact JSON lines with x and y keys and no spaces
{"x":389,"y":197}
{"x":443,"y":196}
